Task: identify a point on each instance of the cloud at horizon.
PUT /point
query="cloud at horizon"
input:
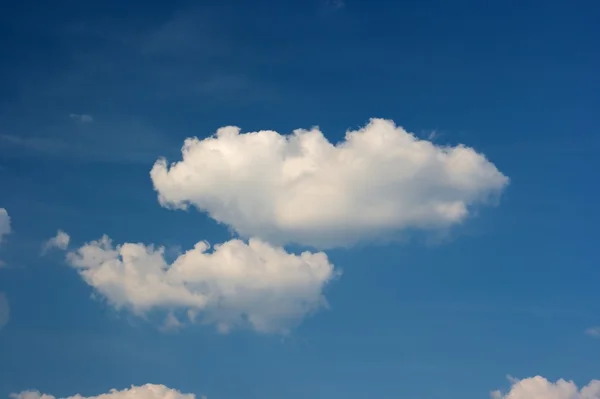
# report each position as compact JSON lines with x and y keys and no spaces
{"x":528,"y":388}
{"x":147,"y":391}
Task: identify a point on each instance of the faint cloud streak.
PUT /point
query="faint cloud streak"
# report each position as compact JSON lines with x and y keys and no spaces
{"x":83,"y":118}
{"x":129,"y":141}
{"x":593,"y":332}
{"x":331,"y":6}
{"x":40,"y":144}
{"x":4,"y":310}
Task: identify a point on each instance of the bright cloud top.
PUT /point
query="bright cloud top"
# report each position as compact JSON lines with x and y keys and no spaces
{"x":235,"y":285}
{"x":148,"y":391}
{"x":301,"y":188}
{"x":540,"y":388}
{"x":4,"y":223}
{"x":59,"y":241}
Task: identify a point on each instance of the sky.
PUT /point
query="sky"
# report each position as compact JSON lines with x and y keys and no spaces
{"x":299,"y":199}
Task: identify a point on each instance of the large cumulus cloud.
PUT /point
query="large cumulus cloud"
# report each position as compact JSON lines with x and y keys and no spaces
{"x":301,"y":188}
{"x":237,"y":284}
{"x":541,"y":388}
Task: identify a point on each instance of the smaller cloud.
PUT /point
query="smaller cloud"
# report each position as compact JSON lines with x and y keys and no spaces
{"x":59,"y":241}
{"x":83,"y":118}
{"x":593,"y":332}
{"x":434,"y":135}
{"x":4,"y":223}
{"x":171,"y":323}
{"x":236,"y":284}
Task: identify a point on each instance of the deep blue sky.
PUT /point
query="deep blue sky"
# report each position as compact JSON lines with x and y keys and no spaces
{"x":510,"y":292}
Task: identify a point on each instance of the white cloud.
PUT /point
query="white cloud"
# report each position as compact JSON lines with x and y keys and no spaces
{"x":4,"y":310}
{"x":83,"y":118}
{"x":301,"y":188}
{"x":4,"y":223}
{"x":540,"y":388}
{"x":148,"y":391}
{"x":235,"y":285}
{"x":59,"y":241}
{"x":593,"y":332}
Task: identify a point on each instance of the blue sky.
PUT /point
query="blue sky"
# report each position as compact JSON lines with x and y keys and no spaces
{"x":93,"y":93}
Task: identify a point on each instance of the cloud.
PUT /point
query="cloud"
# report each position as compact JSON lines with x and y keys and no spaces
{"x":334,"y":5}
{"x":4,"y":230}
{"x":83,"y":118}
{"x":303,"y":189}
{"x":4,"y":223}
{"x":59,"y":241}
{"x":4,"y":310}
{"x":539,"y":387}
{"x":137,"y":143}
{"x":171,"y":323}
{"x":235,"y":285}
{"x":148,"y":391}
{"x":593,"y":332}
{"x":38,"y":144}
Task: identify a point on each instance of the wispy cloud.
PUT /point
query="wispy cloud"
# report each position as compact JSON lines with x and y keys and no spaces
{"x":171,"y":323}
{"x":39,"y":144}
{"x":333,"y":5}
{"x":83,"y":118}
{"x":593,"y":332}
{"x":4,"y":310}
{"x":126,"y":140}
{"x":186,"y":33}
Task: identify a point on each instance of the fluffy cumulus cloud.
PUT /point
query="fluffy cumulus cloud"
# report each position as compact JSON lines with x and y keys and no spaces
{"x":540,"y":388}
{"x":237,"y":284}
{"x":60,"y":241}
{"x":148,"y":391}
{"x":4,"y":223}
{"x":301,"y":188}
